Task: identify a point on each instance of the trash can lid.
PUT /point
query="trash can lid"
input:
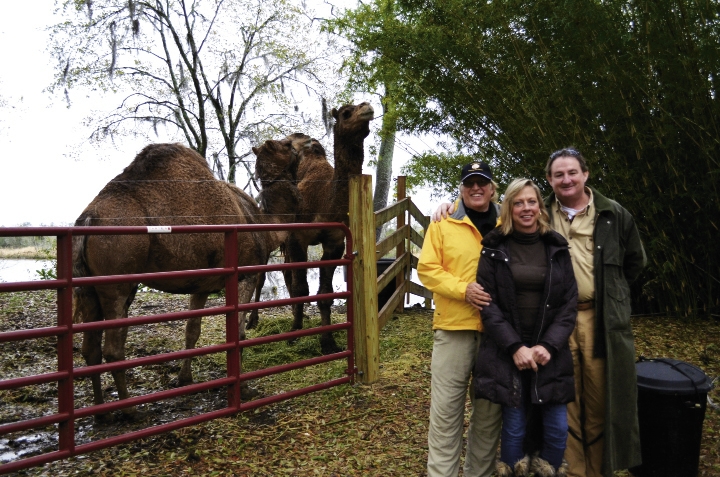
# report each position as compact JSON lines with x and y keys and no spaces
{"x":670,"y":376}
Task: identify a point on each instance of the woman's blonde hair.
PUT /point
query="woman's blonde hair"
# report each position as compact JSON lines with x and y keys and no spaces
{"x":512,"y":191}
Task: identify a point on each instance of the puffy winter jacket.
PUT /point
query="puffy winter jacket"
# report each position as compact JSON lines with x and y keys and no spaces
{"x":496,"y":376}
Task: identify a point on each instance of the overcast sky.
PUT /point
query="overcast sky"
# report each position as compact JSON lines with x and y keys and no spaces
{"x":49,"y":171}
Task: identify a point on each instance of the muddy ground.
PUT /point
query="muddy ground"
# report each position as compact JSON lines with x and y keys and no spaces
{"x":37,"y":309}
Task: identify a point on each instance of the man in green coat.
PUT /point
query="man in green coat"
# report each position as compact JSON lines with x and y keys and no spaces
{"x":607,"y":256}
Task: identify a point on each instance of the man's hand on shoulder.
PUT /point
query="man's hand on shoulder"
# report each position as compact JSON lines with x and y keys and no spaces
{"x":443,"y":210}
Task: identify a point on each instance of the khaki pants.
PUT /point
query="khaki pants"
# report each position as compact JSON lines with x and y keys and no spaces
{"x":586,"y":416}
{"x":452,"y":362}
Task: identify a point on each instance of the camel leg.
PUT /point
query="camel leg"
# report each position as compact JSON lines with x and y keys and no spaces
{"x":115,"y":301}
{"x":298,"y":282}
{"x":87,"y":310}
{"x":254,"y":314}
{"x":246,"y":288}
{"x":287,"y":275}
{"x":192,"y":334}
{"x":114,"y":350}
{"x":92,"y":352}
{"x":327,"y":341}
{"x":299,"y":288}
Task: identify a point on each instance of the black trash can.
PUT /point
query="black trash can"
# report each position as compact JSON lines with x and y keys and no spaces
{"x":672,"y":396}
{"x":386,"y":293}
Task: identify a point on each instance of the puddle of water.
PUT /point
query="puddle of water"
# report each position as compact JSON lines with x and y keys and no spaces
{"x":21,"y":270}
{"x":27,"y":446}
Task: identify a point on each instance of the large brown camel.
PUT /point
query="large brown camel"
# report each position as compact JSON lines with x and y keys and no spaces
{"x":325,"y":198}
{"x":169,"y":184}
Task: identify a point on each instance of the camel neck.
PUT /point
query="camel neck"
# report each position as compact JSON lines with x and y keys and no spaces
{"x":280,"y":202}
{"x":348,"y":161}
{"x":348,"y":158}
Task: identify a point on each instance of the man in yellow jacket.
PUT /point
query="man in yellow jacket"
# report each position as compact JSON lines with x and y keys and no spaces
{"x":447,"y":267}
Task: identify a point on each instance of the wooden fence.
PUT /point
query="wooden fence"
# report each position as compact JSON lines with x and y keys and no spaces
{"x":369,"y":321}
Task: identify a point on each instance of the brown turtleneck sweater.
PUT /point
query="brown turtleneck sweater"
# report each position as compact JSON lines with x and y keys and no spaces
{"x":528,"y":264}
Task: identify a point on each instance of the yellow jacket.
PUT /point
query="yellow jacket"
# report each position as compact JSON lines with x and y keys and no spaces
{"x":448,"y":262}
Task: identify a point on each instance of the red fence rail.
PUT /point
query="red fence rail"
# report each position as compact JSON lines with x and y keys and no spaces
{"x":67,"y":414}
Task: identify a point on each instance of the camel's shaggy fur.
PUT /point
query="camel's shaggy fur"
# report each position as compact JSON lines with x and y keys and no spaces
{"x":169,"y":184}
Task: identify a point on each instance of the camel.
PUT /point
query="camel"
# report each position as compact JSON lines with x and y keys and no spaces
{"x":314,"y":176}
{"x":172,"y":184}
{"x":325,"y":198}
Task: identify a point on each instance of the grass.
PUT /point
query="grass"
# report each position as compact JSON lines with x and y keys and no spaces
{"x":376,"y":430}
{"x":29,"y":252}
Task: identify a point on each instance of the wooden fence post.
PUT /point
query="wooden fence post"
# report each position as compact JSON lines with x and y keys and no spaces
{"x":400,"y":279}
{"x":365,"y":293}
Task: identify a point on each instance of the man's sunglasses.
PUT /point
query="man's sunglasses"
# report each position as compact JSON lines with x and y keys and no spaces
{"x":471,"y":181}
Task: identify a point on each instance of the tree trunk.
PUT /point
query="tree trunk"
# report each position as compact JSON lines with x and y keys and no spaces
{"x":384,"y":163}
{"x":231,"y":171}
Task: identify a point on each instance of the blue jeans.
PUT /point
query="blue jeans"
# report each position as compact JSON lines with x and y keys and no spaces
{"x":555,"y":431}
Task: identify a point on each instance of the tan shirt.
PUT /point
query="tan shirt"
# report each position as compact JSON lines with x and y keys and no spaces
{"x":579,"y":234}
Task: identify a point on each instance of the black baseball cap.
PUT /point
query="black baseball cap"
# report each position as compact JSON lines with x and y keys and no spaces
{"x":477,"y":168}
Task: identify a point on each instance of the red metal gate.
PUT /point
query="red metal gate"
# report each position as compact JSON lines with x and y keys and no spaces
{"x":67,"y":414}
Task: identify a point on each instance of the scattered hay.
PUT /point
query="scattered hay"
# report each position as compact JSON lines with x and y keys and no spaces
{"x":360,"y":430}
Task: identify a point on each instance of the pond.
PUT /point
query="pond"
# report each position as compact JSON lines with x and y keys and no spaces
{"x":18,"y":270}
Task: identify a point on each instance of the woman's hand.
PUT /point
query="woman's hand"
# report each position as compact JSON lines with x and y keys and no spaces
{"x":443,"y":211}
{"x":523,"y":359}
{"x":541,"y":355}
{"x":476,"y":295}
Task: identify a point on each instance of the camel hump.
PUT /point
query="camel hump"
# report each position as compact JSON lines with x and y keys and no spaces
{"x":314,"y":166}
{"x":250,"y":209}
{"x":167,"y":158}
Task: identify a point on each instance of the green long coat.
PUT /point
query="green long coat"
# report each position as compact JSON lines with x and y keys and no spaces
{"x":618,"y":259}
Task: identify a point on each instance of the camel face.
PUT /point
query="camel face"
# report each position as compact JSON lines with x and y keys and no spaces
{"x":353,"y":121}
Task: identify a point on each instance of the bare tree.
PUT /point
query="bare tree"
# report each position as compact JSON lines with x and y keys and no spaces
{"x":222,"y":74}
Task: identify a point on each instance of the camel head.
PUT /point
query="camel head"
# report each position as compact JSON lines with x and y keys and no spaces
{"x":276,"y":167}
{"x":278,"y":160}
{"x":314,"y":151}
{"x":299,"y":140}
{"x":352,"y":122}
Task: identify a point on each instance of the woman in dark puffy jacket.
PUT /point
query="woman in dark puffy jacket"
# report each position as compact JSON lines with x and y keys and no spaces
{"x":524,"y":362}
